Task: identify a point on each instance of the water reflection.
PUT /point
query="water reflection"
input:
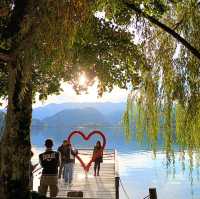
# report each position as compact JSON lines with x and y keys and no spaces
{"x":138,"y":167}
{"x":139,"y":171}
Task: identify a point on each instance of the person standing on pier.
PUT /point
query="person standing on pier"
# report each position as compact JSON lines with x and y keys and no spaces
{"x":62,"y":150}
{"x":97,"y":157}
{"x":69,"y":161}
{"x":49,"y":160}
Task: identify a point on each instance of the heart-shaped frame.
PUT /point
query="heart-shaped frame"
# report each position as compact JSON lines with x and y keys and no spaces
{"x":87,"y":137}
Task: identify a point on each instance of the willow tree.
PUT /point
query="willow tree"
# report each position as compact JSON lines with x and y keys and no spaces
{"x":168,"y":96}
{"x":165,"y":95}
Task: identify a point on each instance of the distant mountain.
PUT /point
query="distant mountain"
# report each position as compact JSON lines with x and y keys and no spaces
{"x":115,"y":117}
{"x":76,"y":117}
{"x":76,"y":114}
{"x":51,"y":109}
{"x":37,"y":123}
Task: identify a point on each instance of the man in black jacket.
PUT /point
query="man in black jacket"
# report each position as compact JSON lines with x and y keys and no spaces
{"x":49,"y":160}
{"x":68,"y":161}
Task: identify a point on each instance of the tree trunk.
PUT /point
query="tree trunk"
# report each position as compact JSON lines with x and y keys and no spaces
{"x":15,"y":143}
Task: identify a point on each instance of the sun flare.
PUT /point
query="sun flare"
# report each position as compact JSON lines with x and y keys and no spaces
{"x":82,"y":79}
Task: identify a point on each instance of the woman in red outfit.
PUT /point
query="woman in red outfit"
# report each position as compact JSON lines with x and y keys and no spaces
{"x":97,"y":157}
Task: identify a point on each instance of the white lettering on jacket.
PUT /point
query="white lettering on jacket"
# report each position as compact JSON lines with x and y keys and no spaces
{"x":48,"y":157}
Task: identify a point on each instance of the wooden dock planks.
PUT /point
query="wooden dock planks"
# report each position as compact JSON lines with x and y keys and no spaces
{"x":102,"y":186}
{"x":99,"y":187}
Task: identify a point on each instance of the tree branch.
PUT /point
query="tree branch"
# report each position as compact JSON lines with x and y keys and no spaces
{"x":5,"y":56}
{"x":167,"y":29}
{"x":16,"y":18}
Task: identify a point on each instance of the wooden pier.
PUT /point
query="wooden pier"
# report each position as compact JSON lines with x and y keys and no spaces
{"x":105,"y":186}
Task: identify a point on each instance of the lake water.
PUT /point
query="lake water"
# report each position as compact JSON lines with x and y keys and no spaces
{"x":139,"y":169}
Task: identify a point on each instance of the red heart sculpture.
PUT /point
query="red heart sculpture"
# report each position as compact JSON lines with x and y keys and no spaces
{"x":87,"y":137}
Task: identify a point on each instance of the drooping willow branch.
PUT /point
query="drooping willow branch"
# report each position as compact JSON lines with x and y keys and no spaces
{"x":167,"y":29}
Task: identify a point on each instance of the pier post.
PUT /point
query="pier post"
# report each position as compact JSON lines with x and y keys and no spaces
{"x":117,"y":187}
{"x":152,"y":193}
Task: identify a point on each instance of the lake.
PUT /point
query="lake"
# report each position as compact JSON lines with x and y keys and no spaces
{"x":138,"y":167}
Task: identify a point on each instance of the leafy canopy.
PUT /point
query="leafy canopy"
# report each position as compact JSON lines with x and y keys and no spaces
{"x":60,"y":39}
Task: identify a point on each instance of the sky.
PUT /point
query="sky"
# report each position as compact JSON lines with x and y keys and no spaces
{"x":69,"y":95}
